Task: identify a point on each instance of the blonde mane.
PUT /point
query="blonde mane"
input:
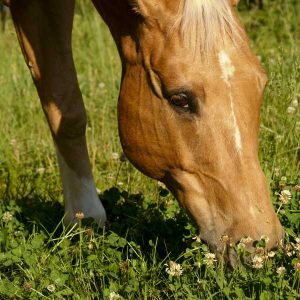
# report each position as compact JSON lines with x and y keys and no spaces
{"x":207,"y":25}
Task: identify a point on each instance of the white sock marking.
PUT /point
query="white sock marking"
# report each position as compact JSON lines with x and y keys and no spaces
{"x":80,"y":195}
{"x":228,"y":71}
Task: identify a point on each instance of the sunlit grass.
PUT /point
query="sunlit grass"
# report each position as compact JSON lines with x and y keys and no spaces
{"x":39,"y":258}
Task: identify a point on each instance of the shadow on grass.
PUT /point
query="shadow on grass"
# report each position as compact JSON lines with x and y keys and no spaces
{"x":36,"y":211}
{"x":128,"y":217}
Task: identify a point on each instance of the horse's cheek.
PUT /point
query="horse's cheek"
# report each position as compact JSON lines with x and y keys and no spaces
{"x":139,"y":129}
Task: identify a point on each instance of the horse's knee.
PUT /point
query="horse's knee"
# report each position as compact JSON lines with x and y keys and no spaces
{"x":72,"y":125}
{"x":67,"y":120}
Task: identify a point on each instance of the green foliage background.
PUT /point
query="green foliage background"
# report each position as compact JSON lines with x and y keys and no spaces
{"x":40,"y":259}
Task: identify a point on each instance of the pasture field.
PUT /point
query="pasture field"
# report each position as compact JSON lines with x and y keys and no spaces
{"x":147,"y":250}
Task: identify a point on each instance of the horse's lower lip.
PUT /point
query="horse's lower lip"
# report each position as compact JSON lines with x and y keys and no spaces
{"x":232,"y":258}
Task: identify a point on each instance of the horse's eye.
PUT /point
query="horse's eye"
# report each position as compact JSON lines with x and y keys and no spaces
{"x":180,"y":100}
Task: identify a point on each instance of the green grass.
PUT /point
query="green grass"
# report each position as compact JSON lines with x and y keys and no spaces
{"x":147,"y":229}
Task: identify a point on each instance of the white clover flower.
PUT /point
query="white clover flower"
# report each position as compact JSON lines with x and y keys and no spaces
{"x":297,"y":245}
{"x":271,"y":254}
{"x":114,"y":296}
{"x":209,"y":259}
{"x":197,"y":239}
{"x":13,"y":142}
{"x":260,"y":250}
{"x":281,"y":244}
{"x":115,"y":156}
{"x":285,"y":196}
{"x":291,"y":110}
{"x":224,"y":239}
{"x":246,"y":240}
{"x":79,"y":216}
{"x":101,"y":85}
{"x":241,"y":246}
{"x":51,"y":288}
{"x":282,"y":182}
{"x":110,"y":176}
{"x":41,"y":170}
{"x":276,"y":172}
{"x":294,"y":103}
{"x":7,"y":216}
{"x":123,"y":265}
{"x":289,"y":250}
{"x":258,"y":262}
{"x":297,"y":265}
{"x":265,"y":238}
{"x":174,"y":269}
{"x":202,"y":283}
{"x":92,"y":274}
{"x":281,"y":270}
{"x":27,"y":286}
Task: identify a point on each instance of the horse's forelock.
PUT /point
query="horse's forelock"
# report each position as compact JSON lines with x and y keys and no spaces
{"x":206,"y":25}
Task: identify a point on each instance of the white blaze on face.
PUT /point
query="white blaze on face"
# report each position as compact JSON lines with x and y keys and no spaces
{"x":227,"y":67}
{"x":228,"y":71}
{"x":80,"y":195}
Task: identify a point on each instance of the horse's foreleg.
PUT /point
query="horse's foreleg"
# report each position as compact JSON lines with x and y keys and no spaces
{"x":44,"y":30}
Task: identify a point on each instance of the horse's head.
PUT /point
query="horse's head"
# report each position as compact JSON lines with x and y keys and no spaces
{"x":189,"y":114}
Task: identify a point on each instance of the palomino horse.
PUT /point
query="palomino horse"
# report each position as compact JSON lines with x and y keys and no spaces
{"x":188,"y":109}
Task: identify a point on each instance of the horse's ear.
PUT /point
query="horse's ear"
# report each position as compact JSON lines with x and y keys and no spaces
{"x":234,"y":2}
{"x":146,"y":8}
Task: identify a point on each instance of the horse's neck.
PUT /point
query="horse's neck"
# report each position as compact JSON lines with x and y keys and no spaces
{"x":117,"y":15}
{"x":122,"y":22}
